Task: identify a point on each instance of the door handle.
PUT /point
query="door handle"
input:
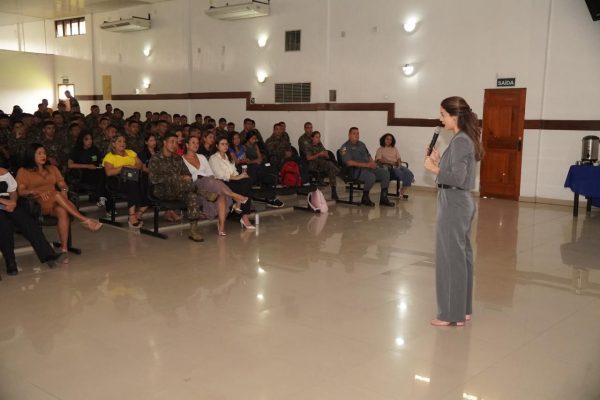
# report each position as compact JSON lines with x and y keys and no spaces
{"x":520,"y":144}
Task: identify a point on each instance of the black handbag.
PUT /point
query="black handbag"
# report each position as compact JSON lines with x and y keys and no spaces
{"x":130,"y":174}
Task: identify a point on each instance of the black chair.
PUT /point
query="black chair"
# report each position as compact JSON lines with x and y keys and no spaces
{"x":112,"y":197}
{"x":159,"y":205}
{"x":351,"y":182}
{"x":33,"y":208}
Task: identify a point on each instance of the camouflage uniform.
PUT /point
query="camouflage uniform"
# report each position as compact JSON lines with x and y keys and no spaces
{"x":320,"y":164}
{"x":135,"y":143}
{"x":102,"y":143}
{"x":276,"y":149}
{"x":56,"y":148}
{"x":303,"y":143}
{"x":165,"y":174}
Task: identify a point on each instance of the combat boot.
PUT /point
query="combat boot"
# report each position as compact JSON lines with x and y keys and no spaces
{"x":366,"y":201}
{"x":383,"y":199}
{"x":195,"y":232}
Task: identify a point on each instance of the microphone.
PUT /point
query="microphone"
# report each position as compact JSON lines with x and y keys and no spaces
{"x":436,"y":133}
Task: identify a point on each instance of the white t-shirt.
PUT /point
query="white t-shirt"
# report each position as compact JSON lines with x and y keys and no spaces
{"x":204,"y":169}
{"x":10,"y":181}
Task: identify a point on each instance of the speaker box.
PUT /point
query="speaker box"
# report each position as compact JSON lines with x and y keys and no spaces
{"x":594,"y":6}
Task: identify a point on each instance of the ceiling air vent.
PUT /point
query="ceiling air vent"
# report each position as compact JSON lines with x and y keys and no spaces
{"x":240,"y":11}
{"x":127,"y":25}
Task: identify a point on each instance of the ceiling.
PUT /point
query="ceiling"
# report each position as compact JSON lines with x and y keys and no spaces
{"x":16,"y":11}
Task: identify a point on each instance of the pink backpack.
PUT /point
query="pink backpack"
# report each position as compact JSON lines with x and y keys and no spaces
{"x":317,"y":201}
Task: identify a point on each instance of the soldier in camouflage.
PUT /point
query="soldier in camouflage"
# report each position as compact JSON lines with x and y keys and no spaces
{"x":278,"y":148}
{"x":55,"y":146}
{"x":135,"y":140}
{"x":172,"y":180}
{"x":319,"y":161}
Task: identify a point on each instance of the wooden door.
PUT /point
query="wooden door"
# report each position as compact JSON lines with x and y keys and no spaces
{"x":503,"y":126}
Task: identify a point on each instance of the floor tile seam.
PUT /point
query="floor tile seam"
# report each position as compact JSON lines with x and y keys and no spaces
{"x":29,"y":382}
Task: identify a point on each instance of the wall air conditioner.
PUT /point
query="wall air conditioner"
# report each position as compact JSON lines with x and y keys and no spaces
{"x":240,"y":11}
{"x":127,"y":25}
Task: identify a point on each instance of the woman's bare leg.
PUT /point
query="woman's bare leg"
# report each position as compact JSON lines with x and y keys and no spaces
{"x":69,"y":207}
{"x":222,"y":213}
{"x":62,"y":226}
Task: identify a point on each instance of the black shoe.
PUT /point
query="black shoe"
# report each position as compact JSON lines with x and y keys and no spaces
{"x":12,"y":270}
{"x":366,"y":201}
{"x":384,"y":201}
{"x":275,"y":203}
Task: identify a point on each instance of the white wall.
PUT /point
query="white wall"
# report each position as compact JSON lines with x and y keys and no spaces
{"x":548,"y":45}
{"x":25,"y":80}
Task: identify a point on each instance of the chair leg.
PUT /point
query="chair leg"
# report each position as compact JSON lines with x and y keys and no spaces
{"x":397,"y":192}
{"x":154,"y":232}
{"x":70,"y":248}
{"x":112,"y":204}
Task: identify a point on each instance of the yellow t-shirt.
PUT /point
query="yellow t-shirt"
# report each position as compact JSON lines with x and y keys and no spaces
{"x":120,"y":161}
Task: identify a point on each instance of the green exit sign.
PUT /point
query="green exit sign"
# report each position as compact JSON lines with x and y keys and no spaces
{"x":506,"y":82}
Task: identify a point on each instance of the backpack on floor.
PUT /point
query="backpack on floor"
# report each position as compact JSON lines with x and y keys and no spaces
{"x":290,"y":174}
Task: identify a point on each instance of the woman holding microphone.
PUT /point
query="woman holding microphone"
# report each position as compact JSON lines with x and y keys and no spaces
{"x":455,"y":170}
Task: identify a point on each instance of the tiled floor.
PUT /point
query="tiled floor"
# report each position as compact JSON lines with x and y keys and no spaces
{"x":311,"y":307}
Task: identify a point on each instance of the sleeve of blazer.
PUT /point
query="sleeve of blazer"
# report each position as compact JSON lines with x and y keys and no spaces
{"x":454,"y":165}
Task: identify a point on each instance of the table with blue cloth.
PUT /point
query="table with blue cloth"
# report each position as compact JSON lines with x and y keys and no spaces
{"x":584,"y":180}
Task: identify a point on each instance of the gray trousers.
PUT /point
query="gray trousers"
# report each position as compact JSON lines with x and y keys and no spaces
{"x":454,"y":255}
{"x":370,"y":176}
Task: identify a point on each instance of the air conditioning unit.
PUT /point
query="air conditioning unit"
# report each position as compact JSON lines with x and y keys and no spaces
{"x":127,"y":25}
{"x":240,"y":11}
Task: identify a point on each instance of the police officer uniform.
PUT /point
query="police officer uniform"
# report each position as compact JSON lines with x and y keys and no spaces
{"x":321,"y":164}
{"x":358,"y":152}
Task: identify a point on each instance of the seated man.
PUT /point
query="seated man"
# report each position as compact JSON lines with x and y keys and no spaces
{"x":355,"y":154}
{"x":278,"y":148}
{"x":12,"y":215}
{"x":173,"y":181}
{"x":306,"y":139}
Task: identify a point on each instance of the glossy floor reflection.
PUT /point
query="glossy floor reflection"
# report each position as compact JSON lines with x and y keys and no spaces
{"x":311,"y":307}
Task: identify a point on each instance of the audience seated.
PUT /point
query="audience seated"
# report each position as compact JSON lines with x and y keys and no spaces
{"x":261,"y":173}
{"x":150,"y":149}
{"x":355,"y":155}
{"x":388,"y":156}
{"x":207,"y":144}
{"x":126,"y":168}
{"x":204,"y":178}
{"x":85,"y":167}
{"x":55,"y":146}
{"x":319,"y":161}
{"x":39,"y":180}
{"x":237,"y":151}
{"x":224,"y":169}
{"x":13,"y":216}
{"x":134,"y":139}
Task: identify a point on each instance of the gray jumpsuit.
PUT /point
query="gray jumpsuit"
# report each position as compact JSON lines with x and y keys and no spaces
{"x":455,"y":211}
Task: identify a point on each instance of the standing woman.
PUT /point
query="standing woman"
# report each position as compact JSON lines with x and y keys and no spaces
{"x":455,"y":171}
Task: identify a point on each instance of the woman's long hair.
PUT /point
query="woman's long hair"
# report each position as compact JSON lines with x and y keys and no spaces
{"x":28,"y":160}
{"x":467,"y":121}
{"x":79,"y":141}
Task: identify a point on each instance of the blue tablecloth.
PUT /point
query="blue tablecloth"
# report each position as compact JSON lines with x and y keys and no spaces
{"x":585,"y":180}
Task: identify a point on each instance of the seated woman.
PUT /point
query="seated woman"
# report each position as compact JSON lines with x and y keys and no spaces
{"x":387,"y":155}
{"x":319,"y":161}
{"x":207,"y":145}
{"x":13,"y":216}
{"x":237,"y":151}
{"x":261,"y":174}
{"x":150,"y":149}
{"x":38,"y":180}
{"x":180,"y":142}
{"x":84,"y":167}
{"x":224,"y":169}
{"x":123,"y":163}
{"x":204,"y":178}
